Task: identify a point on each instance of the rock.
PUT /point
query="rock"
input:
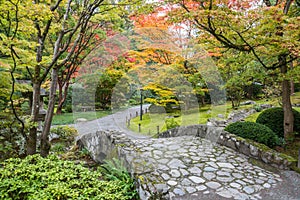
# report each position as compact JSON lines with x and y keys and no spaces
{"x":225,"y":165}
{"x":179,"y":191}
{"x":266,"y":185}
{"x":175,"y":173}
{"x":81,"y":120}
{"x":172,"y":183}
{"x":175,"y":164}
{"x":225,"y":194}
{"x":196,"y":179}
{"x":201,"y":187}
{"x":224,"y":179}
{"x":213,"y":185}
{"x":253,"y":150}
{"x":206,"y":192}
{"x":210,"y":169}
{"x":249,"y":190}
{"x":223,"y":173}
{"x":191,"y":190}
{"x":235,"y":185}
{"x":195,"y":170}
{"x":165,"y":176}
{"x":220,"y":116}
{"x":184,"y":172}
{"x":186,"y":182}
{"x":248,"y":103}
{"x":162,"y":188}
{"x":209,"y":175}
{"x":265,"y":106}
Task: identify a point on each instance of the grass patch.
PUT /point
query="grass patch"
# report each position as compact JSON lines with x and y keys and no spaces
{"x":292,"y":148}
{"x":296,"y":98}
{"x":151,"y":122}
{"x":253,"y":117}
{"x":69,"y":118}
{"x":198,"y":116}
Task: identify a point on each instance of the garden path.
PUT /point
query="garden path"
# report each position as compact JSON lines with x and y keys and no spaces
{"x":190,"y":167}
{"x":115,"y":121}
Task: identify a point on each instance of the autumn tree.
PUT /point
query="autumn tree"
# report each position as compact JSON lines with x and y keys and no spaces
{"x":268,"y":33}
{"x":44,"y":36}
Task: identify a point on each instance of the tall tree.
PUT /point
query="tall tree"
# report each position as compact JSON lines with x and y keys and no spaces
{"x":267,"y":32}
{"x":44,"y":36}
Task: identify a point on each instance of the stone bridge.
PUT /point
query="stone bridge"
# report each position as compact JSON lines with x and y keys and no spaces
{"x":198,"y":162}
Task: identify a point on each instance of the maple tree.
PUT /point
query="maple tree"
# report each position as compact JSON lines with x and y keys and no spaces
{"x":267,"y":33}
{"x":43,"y":37}
{"x":158,"y":57}
{"x":93,"y":37}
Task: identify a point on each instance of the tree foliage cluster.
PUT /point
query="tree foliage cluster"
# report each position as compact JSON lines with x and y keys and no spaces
{"x":44,"y":42}
{"x":248,"y":40}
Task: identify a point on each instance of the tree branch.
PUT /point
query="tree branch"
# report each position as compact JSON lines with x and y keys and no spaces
{"x":55,"y":6}
{"x":287,"y":6}
{"x":14,"y":55}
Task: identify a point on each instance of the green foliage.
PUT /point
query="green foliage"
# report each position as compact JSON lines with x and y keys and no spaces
{"x":51,"y":178}
{"x":161,"y":95}
{"x":65,"y":133}
{"x":11,"y":141}
{"x":273,"y":118}
{"x":70,"y":118}
{"x":171,"y":123}
{"x":58,"y":147}
{"x":254,"y":131}
{"x":257,"y":107}
{"x":5,"y":88}
{"x":114,"y":170}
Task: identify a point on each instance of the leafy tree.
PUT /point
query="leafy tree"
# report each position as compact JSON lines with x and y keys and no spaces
{"x":239,"y":72}
{"x":107,"y":81}
{"x":44,"y":37}
{"x":268,"y":33}
{"x":162,"y":95}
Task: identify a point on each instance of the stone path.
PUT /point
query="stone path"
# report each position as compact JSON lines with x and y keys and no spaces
{"x":116,"y":121}
{"x":188,"y":167}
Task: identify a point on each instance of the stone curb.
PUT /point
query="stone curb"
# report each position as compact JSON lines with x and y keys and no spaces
{"x":247,"y":147}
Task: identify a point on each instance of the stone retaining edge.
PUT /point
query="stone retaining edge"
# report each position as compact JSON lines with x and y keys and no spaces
{"x":245,"y":146}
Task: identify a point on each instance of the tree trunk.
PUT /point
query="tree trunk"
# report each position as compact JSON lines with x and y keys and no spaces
{"x":292,"y":88}
{"x":288,"y":122}
{"x":202,"y":101}
{"x":32,"y":137}
{"x":62,"y":96}
{"x":45,"y":144}
{"x":292,"y":82}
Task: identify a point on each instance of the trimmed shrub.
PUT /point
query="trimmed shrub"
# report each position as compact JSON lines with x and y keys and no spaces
{"x":273,"y":118}
{"x":51,"y":178}
{"x":254,"y":131}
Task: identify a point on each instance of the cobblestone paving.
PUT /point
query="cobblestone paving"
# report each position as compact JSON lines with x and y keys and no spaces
{"x":194,"y":166}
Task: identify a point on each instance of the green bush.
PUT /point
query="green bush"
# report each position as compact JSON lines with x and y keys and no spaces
{"x":254,"y":131}
{"x":51,"y":178}
{"x":65,"y":133}
{"x":273,"y":118}
{"x":12,"y":143}
{"x":171,"y":123}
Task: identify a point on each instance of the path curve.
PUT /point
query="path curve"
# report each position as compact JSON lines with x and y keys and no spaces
{"x":190,"y":170}
{"x":115,"y":121}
